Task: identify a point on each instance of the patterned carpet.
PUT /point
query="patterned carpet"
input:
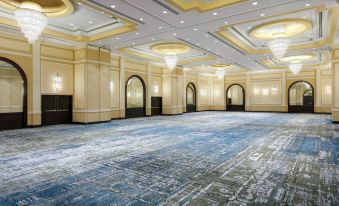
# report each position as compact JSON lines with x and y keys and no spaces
{"x":205,"y":158}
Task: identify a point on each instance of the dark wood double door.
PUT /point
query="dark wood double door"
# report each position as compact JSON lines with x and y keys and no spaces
{"x":56,"y":109}
{"x":156,"y":105}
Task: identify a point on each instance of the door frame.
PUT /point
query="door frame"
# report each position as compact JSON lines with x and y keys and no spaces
{"x":288,"y":92}
{"x":195,"y":96}
{"x":24,"y":78}
{"x":144,"y":94}
{"x":229,"y":107}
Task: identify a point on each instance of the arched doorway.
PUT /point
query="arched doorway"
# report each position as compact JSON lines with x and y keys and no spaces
{"x":135,"y":97}
{"x":191,"y":98}
{"x":235,"y":98}
{"x":13,"y":95}
{"x":301,"y":97}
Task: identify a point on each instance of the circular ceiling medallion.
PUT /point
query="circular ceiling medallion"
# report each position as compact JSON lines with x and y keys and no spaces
{"x":167,"y":48}
{"x":300,"y":58}
{"x":216,"y":66}
{"x":51,"y":8}
{"x":290,"y":27}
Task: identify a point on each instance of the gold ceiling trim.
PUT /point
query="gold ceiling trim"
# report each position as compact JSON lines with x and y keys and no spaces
{"x":170,"y":47}
{"x":291,"y":27}
{"x":202,"y":6}
{"x":128,"y":26}
{"x":216,"y":66}
{"x":52,"y":8}
{"x":227,"y":35}
{"x":297,"y":57}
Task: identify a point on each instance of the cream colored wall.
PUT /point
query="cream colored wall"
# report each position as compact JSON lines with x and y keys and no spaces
{"x":11,"y":90}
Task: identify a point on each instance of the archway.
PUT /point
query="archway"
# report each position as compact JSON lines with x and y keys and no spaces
{"x":235,"y":98}
{"x":301,"y":97}
{"x":13,"y":95}
{"x":191,"y":98}
{"x":135,"y":97}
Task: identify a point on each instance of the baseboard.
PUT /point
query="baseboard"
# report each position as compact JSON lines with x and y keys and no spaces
{"x":89,"y":123}
{"x":33,"y":126}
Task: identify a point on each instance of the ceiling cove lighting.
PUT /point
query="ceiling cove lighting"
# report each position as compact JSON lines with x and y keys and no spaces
{"x":31,"y":20}
{"x":171,"y":50}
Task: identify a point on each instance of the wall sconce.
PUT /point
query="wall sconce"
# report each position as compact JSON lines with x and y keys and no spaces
{"x":256,"y":90}
{"x":129,"y":94}
{"x":156,"y":89}
{"x":328,"y":89}
{"x":203,"y":92}
{"x":57,"y":82}
{"x":265,"y":92}
{"x":274,"y":90}
{"x":111,"y":85}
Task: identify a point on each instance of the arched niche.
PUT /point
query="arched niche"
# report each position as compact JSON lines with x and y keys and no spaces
{"x":301,"y":97}
{"x":13,"y":95}
{"x":191,"y":98}
{"x":135,"y":97}
{"x":235,"y":98}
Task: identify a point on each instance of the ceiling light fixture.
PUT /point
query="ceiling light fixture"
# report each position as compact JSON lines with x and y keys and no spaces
{"x":159,"y":27}
{"x":295,"y":66}
{"x":195,"y":29}
{"x":113,"y":6}
{"x":31,"y":20}
{"x":141,"y":19}
{"x":215,"y":13}
{"x":279,"y":44}
{"x":262,"y":14}
{"x":164,"y":12}
{"x":171,"y":51}
{"x":255,"y":3}
{"x":182,"y":21}
{"x":307,"y":5}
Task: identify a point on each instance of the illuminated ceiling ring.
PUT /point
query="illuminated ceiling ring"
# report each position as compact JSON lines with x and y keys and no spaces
{"x":300,"y":58}
{"x":171,"y":47}
{"x":51,"y":8}
{"x":216,"y":66}
{"x":291,"y":27}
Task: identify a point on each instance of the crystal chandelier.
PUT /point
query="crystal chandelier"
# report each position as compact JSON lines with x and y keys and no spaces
{"x":279,"y":44}
{"x":220,"y":73}
{"x":31,"y":20}
{"x":171,"y":60}
{"x":295,"y":67}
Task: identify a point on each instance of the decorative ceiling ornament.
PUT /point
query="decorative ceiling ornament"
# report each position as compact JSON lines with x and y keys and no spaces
{"x":296,"y":62}
{"x":279,"y":32}
{"x":295,"y":66}
{"x":31,"y":21}
{"x":279,"y":45}
{"x":220,"y":70}
{"x":171,"y":51}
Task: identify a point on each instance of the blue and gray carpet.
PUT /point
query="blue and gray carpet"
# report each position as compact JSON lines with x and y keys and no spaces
{"x":206,"y":158}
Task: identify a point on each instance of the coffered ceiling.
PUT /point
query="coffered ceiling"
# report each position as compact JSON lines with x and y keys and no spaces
{"x":216,"y":30}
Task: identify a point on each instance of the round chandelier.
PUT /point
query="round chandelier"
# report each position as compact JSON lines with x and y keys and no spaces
{"x":31,"y":20}
{"x":295,"y":66}
{"x":279,"y":45}
{"x":171,"y":51}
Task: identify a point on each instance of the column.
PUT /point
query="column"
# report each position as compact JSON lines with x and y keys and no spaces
{"x":335,"y":85}
{"x":122,"y":87}
{"x":317,"y":106}
{"x":283,"y":92}
{"x":149,"y":91}
{"x":35,"y":117}
{"x":248,"y":93}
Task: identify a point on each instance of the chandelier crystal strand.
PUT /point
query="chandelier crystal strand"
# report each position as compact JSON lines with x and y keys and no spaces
{"x":171,"y":60}
{"x":295,"y":67}
{"x":220,"y":73}
{"x":31,"y":20}
{"x":279,"y":45}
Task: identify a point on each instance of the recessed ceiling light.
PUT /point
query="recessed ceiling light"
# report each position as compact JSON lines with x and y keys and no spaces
{"x":90,"y":22}
{"x":307,"y":4}
{"x":152,"y":39}
{"x":164,"y":12}
{"x":159,"y":27}
{"x":304,"y":17}
{"x":133,"y":43}
{"x":226,"y":22}
{"x":187,"y":39}
{"x":249,"y":27}
{"x":141,"y":19}
{"x":262,"y":14}
{"x":71,"y":24}
{"x":79,"y":3}
{"x":255,"y":3}
{"x":113,"y":6}
{"x":137,"y":33}
{"x":216,"y":41}
{"x":174,"y":34}
{"x":206,"y":36}
{"x":182,"y":21}
{"x":117,"y":38}
{"x":195,"y":29}
{"x":198,"y":44}
{"x":215,"y":13}
{"x":102,"y":12}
